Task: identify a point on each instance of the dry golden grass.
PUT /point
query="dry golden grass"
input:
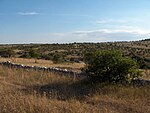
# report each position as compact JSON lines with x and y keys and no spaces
{"x":46,"y":63}
{"x":38,"y":92}
{"x":146,"y":74}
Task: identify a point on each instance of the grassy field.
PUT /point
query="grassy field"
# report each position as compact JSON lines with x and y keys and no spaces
{"x":37,"y":92}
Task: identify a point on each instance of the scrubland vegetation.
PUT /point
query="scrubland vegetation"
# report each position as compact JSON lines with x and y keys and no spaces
{"x":38,"y":92}
{"x":74,"y":52}
{"x":111,"y":67}
{"x":107,"y":88}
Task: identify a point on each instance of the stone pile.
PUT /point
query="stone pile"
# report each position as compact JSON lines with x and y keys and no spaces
{"x":45,"y":69}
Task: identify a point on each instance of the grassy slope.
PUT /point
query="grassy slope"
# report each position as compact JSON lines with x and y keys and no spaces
{"x":37,"y":92}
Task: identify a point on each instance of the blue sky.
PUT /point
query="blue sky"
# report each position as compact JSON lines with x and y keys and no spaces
{"x":65,"y":21}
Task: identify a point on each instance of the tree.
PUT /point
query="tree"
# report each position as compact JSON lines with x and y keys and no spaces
{"x":111,"y":66}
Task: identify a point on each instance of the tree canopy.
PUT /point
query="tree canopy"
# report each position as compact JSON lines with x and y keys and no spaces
{"x":111,"y":66}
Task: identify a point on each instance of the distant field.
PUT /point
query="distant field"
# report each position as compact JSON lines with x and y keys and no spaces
{"x":37,"y":92}
{"x":46,"y":63}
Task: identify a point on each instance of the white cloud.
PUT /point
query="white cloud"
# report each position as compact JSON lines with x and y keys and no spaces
{"x":28,"y":13}
{"x":114,"y":34}
{"x":100,"y":35}
{"x":117,"y":21}
{"x":105,"y":21}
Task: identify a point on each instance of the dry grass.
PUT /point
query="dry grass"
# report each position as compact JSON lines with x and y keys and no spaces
{"x":146,"y":74}
{"x":37,"y":92}
{"x":47,"y":63}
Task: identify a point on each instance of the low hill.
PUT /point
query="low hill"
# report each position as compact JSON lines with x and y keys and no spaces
{"x":74,"y":52}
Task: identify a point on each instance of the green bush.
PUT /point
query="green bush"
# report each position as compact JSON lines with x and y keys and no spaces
{"x":58,"y":58}
{"x":111,"y":66}
{"x":7,"y":53}
{"x":33,"y":53}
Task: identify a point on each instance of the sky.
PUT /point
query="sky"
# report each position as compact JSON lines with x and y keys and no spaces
{"x":68,"y":21}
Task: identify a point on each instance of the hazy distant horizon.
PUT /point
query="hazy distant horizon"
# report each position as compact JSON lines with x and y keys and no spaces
{"x":69,"y":21}
{"x":67,"y":42}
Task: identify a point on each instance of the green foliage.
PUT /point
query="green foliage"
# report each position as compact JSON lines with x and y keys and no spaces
{"x":138,"y":50}
{"x":47,"y":56}
{"x":33,"y":53}
{"x":58,"y":58}
{"x":111,"y":66}
{"x":87,"y":58}
{"x":25,"y":55}
{"x":7,"y":52}
{"x":10,"y":52}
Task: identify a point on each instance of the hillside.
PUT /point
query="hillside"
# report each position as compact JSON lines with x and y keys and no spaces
{"x":74,"y":52}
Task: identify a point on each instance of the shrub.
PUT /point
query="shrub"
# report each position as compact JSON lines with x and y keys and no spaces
{"x":46,"y":56}
{"x":7,"y":53}
{"x":58,"y":58}
{"x":33,"y":53}
{"x":111,"y":66}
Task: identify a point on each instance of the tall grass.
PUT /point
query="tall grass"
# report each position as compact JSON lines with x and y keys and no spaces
{"x":23,"y":91}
